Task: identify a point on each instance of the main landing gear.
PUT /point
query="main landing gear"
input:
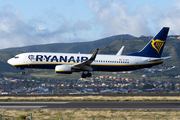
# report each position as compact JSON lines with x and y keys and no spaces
{"x":86,"y":75}
{"x":23,"y":72}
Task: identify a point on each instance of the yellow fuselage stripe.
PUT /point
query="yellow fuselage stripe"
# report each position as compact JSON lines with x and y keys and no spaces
{"x":63,"y":70}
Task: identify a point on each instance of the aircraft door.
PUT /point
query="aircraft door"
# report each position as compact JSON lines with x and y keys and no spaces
{"x":25,"y":59}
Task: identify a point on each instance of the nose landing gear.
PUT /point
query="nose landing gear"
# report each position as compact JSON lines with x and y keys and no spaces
{"x":23,"y":72}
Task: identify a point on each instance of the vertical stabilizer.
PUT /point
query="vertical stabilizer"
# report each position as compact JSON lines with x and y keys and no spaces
{"x":155,"y":47}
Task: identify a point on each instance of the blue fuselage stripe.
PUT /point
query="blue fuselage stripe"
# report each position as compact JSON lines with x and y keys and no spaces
{"x":94,"y":67}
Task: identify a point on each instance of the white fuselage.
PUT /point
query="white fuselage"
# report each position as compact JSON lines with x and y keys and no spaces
{"x":101,"y":63}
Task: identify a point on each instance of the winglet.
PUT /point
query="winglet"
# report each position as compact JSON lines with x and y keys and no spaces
{"x":94,"y":54}
{"x":120,"y":51}
{"x":87,"y":64}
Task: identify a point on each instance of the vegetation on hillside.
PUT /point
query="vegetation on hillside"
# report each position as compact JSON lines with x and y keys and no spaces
{"x":132,"y":45}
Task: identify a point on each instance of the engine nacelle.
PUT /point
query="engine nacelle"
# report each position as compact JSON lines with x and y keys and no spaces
{"x":63,"y":69}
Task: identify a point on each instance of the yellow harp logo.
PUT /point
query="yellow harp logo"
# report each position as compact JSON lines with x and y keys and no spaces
{"x":157,"y":44}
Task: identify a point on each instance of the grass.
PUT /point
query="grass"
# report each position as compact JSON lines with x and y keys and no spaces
{"x":85,"y":114}
{"x":92,"y":98}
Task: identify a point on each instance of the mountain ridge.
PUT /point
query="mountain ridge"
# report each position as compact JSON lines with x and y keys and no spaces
{"x":76,"y":47}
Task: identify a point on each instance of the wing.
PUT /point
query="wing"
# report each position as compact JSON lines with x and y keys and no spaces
{"x":86,"y":66}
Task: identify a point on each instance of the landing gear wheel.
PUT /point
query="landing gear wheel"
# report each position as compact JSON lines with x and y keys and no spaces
{"x":23,"y":72}
{"x":83,"y":76}
{"x":88,"y":74}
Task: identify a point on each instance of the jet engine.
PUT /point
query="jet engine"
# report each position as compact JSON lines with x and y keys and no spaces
{"x":63,"y":69}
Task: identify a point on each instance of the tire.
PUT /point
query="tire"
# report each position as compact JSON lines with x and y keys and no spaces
{"x":83,"y":76}
{"x":89,"y":74}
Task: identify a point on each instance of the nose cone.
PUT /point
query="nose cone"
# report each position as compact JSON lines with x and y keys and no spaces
{"x":10,"y":61}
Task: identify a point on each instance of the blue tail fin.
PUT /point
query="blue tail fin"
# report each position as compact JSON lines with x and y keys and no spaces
{"x":155,"y":47}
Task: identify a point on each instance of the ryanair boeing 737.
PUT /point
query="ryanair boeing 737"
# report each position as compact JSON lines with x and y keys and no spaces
{"x":66,"y":63}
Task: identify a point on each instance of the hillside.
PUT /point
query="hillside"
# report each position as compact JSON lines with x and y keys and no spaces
{"x":132,"y":45}
{"x":172,"y":48}
{"x":82,"y":47}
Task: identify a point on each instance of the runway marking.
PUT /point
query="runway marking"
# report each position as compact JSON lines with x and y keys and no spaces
{"x":28,"y":105}
{"x":116,"y":108}
{"x":35,"y":102}
{"x":92,"y":105}
{"x":22,"y":107}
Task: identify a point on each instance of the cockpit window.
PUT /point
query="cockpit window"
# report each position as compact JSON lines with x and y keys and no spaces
{"x":16,"y":57}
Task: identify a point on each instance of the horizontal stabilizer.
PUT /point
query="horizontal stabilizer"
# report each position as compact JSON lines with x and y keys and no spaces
{"x":158,"y":59}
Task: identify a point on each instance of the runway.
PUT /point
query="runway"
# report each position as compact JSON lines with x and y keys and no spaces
{"x":92,"y":105}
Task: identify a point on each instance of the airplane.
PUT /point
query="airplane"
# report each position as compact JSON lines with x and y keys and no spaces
{"x":67,"y":63}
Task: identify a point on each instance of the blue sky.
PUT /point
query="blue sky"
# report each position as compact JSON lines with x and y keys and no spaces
{"x":32,"y":22}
